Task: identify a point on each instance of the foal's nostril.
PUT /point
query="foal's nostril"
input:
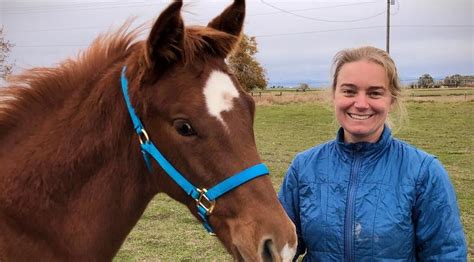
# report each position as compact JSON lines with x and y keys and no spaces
{"x":268,"y":251}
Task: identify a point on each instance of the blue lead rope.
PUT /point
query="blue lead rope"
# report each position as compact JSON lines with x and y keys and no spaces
{"x":205,"y":198}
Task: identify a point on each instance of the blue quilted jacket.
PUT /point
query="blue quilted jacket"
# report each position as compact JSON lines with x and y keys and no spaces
{"x":384,"y":201}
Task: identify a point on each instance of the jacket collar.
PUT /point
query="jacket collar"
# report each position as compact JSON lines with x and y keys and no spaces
{"x":347,"y":150}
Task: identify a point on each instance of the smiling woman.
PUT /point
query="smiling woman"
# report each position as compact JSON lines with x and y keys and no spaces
{"x":351,"y":197}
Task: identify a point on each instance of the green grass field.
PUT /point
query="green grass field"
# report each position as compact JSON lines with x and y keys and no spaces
{"x":167,"y":232}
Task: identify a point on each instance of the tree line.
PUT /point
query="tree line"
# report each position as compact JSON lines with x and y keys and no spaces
{"x":457,"y":80}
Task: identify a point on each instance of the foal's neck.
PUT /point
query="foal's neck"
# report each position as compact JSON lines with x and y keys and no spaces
{"x":83,"y":179}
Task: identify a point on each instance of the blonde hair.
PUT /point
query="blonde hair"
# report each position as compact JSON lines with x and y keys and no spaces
{"x":398,"y":116}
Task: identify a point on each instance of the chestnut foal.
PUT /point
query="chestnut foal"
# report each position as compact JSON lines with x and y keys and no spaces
{"x":85,"y":146}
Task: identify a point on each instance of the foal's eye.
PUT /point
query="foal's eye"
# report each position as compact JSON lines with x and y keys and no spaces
{"x":183,"y":128}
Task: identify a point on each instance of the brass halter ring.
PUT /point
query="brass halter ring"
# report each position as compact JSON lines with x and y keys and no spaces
{"x":204,"y":202}
{"x":143,"y":136}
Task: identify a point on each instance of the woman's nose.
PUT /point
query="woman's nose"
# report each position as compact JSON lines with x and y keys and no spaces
{"x":361,"y":102}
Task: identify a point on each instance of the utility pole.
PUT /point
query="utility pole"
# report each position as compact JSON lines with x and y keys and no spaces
{"x":389,"y":2}
{"x":387,"y":40}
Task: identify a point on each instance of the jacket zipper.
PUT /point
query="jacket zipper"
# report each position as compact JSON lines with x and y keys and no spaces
{"x":350,"y":203}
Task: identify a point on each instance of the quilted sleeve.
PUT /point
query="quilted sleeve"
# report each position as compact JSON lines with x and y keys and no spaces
{"x":439,"y":232}
{"x":289,"y":198}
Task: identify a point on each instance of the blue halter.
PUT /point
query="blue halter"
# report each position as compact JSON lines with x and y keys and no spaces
{"x":205,"y":198}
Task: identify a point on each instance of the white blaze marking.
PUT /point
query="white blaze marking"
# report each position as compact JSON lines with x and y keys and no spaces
{"x":219,"y":93}
{"x":288,"y":253}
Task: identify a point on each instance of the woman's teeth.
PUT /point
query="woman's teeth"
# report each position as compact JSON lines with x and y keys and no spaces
{"x":359,"y":117}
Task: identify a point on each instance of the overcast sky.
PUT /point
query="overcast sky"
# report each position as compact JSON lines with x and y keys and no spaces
{"x":297,"y":39}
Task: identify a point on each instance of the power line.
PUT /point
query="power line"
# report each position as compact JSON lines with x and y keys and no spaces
{"x":321,"y":20}
{"x":60,"y":29}
{"x":65,"y":29}
{"x":313,"y":8}
{"x":284,"y":34}
{"x":48,"y":46}
{"x":249,"y":15}
{"x":75,"y":7}
{"x":318,"y":31}
{"x":301,"y":10}
{"x":362,"y":28}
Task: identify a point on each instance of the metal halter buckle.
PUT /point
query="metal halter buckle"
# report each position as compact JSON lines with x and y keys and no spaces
{"x":204,"y":202}
{"x":143,"y":136}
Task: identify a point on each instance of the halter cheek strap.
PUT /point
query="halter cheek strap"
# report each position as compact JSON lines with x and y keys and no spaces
{"x":205,"y":198}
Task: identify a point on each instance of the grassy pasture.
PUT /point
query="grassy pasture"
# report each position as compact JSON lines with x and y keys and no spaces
{"x":285,"y":96}
{"x":167,"y":232}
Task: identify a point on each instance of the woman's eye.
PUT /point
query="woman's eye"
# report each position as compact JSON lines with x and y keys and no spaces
{"x":348,"y":92}
{"x":184,"y":128}
{"x":375,"y":94}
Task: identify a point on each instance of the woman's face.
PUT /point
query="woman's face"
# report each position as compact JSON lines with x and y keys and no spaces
{"x":362,"y":101}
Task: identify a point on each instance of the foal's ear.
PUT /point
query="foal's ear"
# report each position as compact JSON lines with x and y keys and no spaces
{"x":231,"y":19}
{"x":164,"y":44}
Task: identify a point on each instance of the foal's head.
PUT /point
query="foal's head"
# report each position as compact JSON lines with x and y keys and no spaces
{"x":198,"y":116}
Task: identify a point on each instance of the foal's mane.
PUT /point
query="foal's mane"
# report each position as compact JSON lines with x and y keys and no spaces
{"x":48,"y":87}
{"x":43,"y":87}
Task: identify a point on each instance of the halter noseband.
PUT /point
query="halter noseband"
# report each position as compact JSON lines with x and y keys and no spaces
{"x":205,"y":198}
